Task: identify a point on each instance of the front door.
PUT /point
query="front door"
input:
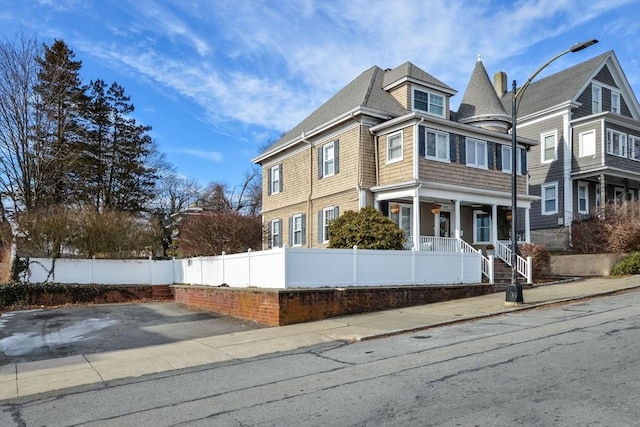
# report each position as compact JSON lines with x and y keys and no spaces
{"x":445,"y":224}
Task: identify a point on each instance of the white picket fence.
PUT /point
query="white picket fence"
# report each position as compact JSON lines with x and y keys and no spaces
{"x":275,"y":268}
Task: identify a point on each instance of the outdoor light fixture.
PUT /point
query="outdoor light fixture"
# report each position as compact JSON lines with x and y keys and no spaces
{"x":435,"y":209}
{"x":509,"y":216}
{"x":395,"y":208}
{"x":514,"y":289}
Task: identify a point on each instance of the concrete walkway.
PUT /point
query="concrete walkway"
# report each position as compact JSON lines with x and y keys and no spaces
{"x":29,"y":378}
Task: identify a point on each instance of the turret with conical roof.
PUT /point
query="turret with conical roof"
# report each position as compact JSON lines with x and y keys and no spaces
{"x":480,"y":104}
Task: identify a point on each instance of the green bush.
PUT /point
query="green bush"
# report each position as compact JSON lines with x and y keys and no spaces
{"x":368,"y":229}
{"x":539,"y":257}
{"x":629,"y":265}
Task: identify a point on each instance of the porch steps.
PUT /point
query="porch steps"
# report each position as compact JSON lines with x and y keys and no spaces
{"x":502,"y":275}
{"x":162,"y":292}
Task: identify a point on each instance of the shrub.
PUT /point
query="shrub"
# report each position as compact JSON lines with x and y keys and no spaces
{"x":612,"y":228}
{"x":629,"y":265}
{"x":368,"y":229}
{"x":539,"y":257}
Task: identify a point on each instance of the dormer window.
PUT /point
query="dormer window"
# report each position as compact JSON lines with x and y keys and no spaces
{"x":428,"y":102}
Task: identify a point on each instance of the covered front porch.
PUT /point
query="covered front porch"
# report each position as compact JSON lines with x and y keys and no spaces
{"x":445,"y":218}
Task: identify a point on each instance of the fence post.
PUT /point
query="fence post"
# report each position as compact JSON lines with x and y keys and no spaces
{"x":491,"y":270}
{"x":201,"y":271}
{"x":249,"y":265}
{"x":529,"y":270}
{"x":413,"y":265}
{"x":150,"y":270}
{"x":93,"y":269}
{"x":355,"y":265}
{"x":222,"y":267}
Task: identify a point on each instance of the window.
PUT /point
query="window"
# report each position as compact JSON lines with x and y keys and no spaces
{"x":428,"y":102}
{"x":394,"y":147}
{"x":587,"y":144}
{"x":634,"y":147}
{"x":476,"y":153}
{"x":550,"y":199}
{"x":616,"y":143}
{"x":583,"y":198}
{"x":328,"y":160}
{"x":506,"y":159}
{"x":401,"y":215}
{"x":481,"y":227}
{"x":326,"y":216}
{"x":615,"y":102}
{"x":437,"y":144}
{"x":276,"y":233}
{"x":549,"y":147}
{"x":275,"y":179}
{"x":596,"y":99}
{"x":297,"y":230}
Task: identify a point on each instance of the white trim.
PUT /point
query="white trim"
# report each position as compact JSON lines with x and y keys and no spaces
{"x":437,"y":133}
{"x":272,"y":172}
{"x":622,"y":141}
{"x":543,"y":204}
{"x":475,"y":227}
{"x":544,"y":135}
{"x":294,"y":231}
{"x":429,"y":94}
{"x":325,"y":222}
{"x":632,"y":141}
{"x":581,"y":185}
{"x":615,"y":94}
{"x":273,"y":233}
{"x":476,"y":142}
{"x":567,"y":185}
{"x":326,"y":160}
{"x":399,"y":134}
{"x":595,"y":102}
{"x":581,"y":143}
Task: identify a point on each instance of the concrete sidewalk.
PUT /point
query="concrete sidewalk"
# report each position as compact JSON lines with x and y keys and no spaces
{"x":23,"y":379}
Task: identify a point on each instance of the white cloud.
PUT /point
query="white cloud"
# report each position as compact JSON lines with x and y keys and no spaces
{"x":214,"y":156}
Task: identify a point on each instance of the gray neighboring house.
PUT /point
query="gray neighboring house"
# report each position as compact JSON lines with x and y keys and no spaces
{"x":587,"y":120}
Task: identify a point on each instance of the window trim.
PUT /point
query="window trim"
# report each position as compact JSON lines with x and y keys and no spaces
{"x":584,"y":185}
{"x":476,"y":213}
{"x":273,"y":182}
{"x":400,"y":223}
{"x":475,"y":142}
{"x":326,"y":160}
{"x":428,"y":102}
{"x":616,"y":104}
{"x":294,"y":231}
{"x":609,"y":143}
{"x":273,"y":234}
{"x":504,"y":147}
{"x":634,"y":147}
{"x":325,"y":222}
{"x":399,"y":158}
{"x":581,"y":145}
{"x":596,"y":101}
{"x":543,"y":200}
{"x":437,"y":133}
{"x":543,"y":150}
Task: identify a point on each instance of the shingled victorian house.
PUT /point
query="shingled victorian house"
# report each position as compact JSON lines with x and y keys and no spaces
{"x":587,"y":122}
{"x":389,"y":139}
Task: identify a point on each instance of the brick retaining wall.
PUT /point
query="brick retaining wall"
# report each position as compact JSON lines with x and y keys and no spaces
{"x":277,"y":307}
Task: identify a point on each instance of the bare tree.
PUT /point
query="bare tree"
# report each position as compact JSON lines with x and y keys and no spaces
{"x":22,"y":160}
{"x":245,"y":199}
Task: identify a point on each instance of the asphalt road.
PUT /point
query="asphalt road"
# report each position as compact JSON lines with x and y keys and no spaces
{"x":572,"y":365}
{"x":32,"y":335}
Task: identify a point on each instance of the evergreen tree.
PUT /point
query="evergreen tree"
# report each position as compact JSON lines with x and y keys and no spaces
{"x":61,"y":97}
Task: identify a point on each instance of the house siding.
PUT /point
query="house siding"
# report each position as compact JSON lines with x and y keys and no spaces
{"x":604,"y":76}
{"x":543,"y":173}
{"x":585,"y":108}
{"x":578,"y":163}
{"x":398,"y":171}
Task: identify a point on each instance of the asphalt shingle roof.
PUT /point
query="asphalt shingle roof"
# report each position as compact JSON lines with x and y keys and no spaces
{"x":480,"y":98}
{"x":556,"y":88}
{"x":366,"y":90}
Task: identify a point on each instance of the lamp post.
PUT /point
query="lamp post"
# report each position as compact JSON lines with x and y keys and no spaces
{"x":514,"y":289}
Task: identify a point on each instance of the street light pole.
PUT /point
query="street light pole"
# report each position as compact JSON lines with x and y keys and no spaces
{"x":514,"y":289}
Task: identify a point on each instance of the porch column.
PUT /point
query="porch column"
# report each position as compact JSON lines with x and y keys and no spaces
{"x":527,"y":226}
{"x":457,"y":233}
{"x":416,"y":221}
{"x":494,"y":223}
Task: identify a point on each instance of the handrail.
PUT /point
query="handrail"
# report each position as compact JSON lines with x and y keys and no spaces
{"x":523,"y":266}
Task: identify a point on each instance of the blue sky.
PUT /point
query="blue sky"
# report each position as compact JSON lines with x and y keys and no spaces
{"x":217,"y":79}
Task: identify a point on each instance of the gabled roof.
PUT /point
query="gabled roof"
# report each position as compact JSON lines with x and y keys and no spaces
{"x":480,"y":101}
{"x":365,"y":91}
{"x":558,"y":88}
{"x":410,"y":71}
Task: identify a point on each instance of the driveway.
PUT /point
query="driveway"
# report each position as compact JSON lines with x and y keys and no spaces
{"x":33,"y":335}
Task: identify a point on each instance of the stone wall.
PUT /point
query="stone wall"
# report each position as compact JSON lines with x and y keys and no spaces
{"x":580,"y":265}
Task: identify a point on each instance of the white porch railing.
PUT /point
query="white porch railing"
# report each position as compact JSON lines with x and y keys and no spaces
{"x":523,"y":266}
{"x":451,"y":244}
